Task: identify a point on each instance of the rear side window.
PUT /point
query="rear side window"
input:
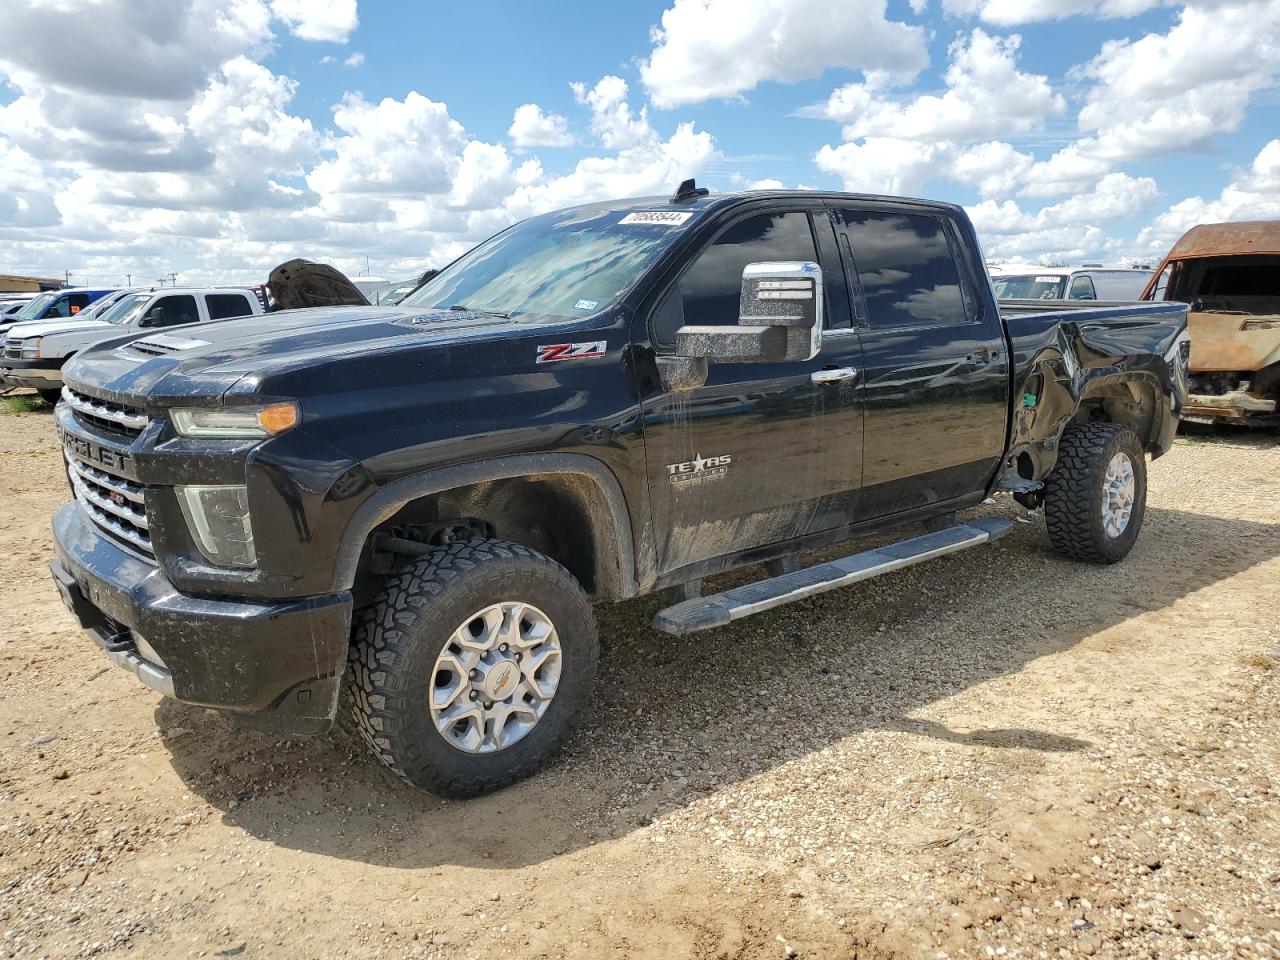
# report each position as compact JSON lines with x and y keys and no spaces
{"x":1082,"y":289}
{"x":1120,"y":286}
{"x":69,"y":305}
{"x":907,"y":268}
{"x":224,"y":305}
{"x":177,"y":310}
{"x":708,"y":293}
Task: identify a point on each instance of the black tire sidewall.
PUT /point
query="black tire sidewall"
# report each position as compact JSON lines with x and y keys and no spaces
{"x":1115,"y":548}
{"x":426,"y":758}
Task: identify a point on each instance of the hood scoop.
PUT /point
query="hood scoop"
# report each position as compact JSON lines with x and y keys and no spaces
{"x":159,"y":346}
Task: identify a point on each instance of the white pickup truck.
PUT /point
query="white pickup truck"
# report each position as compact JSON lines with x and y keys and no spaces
{"x":35,"y":352}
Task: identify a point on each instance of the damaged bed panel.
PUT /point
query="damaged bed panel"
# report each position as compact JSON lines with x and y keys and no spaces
{"x":1112,"y":360}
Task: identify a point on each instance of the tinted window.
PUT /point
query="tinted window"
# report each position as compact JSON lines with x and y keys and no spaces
{"x":223,"y":305}
{"x":177,"y":310}
{"x":1120,"y":286}
{"x":1082,"y":289}
{"x":907,"y":269}
{"x":708,"y":293}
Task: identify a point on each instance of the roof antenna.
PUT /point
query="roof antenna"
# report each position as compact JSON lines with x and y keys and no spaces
{"x":687,"y":191}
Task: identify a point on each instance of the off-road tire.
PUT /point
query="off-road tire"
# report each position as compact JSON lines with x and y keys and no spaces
{"x":50,"y":396}
{"x":398,"y":638}
{"x":1073,"y":494}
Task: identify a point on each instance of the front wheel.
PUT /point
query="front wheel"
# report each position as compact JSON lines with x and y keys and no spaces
{"x":473,"y":666}
{"x":50,"y":396}
{"x":1096,"y":496}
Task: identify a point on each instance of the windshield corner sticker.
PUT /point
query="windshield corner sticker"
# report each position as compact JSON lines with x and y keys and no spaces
{"x":551,"y":352}
{"x":662,"y":218}
{"x":699,"y":469}
{"x":586,"y":304}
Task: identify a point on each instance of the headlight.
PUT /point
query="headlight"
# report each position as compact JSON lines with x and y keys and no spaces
{"x":31,"y":348}
{"x":231,"y":423}
{"x":218,"y":518}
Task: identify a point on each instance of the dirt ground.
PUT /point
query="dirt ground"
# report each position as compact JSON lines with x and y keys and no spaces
{"x":998,"y":753}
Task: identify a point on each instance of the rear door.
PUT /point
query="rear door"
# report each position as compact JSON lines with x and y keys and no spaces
{"x":935,"y":378}
{"x":763,"y":452}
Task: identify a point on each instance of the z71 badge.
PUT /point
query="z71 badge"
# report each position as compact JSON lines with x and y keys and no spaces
{"x":551,"y":352}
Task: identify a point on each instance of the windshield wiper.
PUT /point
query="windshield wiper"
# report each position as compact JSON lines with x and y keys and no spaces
{"x":488,"y":313}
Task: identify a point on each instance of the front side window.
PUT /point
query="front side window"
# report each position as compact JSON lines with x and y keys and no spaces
{"x":562,"y":265}
{"x":710,"y":291}
{"x":224,"y":305}
{"x":177,"y":309}
{"x":1082,"y":289}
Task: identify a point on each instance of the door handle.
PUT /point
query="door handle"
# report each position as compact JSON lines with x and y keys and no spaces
{"x":980,"y":357}
{"x":834,"y":375}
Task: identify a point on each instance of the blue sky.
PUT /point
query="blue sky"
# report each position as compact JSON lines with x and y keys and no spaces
{"x":238,"y":133}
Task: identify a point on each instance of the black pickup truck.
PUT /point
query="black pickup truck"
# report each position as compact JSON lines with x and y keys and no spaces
{"x":594,"y":404}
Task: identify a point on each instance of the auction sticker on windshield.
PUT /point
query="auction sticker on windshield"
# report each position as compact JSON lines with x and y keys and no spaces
{"x":663,"y":218}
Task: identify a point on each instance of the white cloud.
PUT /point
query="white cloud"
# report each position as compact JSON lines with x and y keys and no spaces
{"x":530,"y":127}
{"x":1252,"y":194}
{"x":885,"y":164}
{"x":986,"y":96}
{"x":710,"y":49}
{"x":1012,"y":13}
{"x":612,"y":119}
{"x":329,"y":20}
{"x":111,"y":48}
{"x":355,"y":60}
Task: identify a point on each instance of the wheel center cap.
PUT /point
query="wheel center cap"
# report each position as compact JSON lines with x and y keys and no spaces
{"x":501,"y":679}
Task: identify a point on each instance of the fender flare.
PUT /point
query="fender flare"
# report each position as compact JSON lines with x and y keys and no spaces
{"x":387,"y":500}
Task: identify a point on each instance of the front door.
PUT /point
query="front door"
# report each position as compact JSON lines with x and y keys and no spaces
{"x":935,"y":381}
{"x":763,"y":452}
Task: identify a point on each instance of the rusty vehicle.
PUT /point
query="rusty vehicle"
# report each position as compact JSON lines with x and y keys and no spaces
{"x":1230,"y":275}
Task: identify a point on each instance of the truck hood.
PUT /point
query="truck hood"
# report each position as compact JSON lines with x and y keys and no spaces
{"x":45,"y":328}
{"x":206,"y":359}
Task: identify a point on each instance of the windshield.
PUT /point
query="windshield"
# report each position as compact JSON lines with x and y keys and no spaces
{"x":393,"y":295}
{"x":561,"y":265}
{"x":1029,"y":287}
{"x":36,"y":307}
{"x":126,"y":309}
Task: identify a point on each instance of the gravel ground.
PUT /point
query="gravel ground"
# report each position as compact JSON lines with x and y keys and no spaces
{"x":997,"y":753}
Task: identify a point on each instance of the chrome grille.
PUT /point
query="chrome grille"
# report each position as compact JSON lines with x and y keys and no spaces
{"x":116,"y":418}
{"x":13,"y":349}
{"x":116,"y":505}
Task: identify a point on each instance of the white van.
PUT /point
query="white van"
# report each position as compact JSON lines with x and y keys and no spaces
{"x":1025,"y":281}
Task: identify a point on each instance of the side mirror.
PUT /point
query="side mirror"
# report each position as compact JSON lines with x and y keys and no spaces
{"x":153,"y":319}
{"x":779,"y":318}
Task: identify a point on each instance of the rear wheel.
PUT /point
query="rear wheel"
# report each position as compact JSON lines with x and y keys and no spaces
{"x":1096,"y":496}
{"x":473,"y":666}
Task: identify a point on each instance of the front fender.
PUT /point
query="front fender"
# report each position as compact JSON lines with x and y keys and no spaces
{"x":610,"y":526}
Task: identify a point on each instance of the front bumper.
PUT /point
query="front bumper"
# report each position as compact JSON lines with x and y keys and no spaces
{"x":1234,"y":407}
{"x":32,"y":373}
{"x":278,"y":663}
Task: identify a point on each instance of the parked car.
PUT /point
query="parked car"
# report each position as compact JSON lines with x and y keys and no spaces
{"x":594,"y":404}
{"x":35,"y":352}
{"x":1030,"y":282}
{"x":55,"y":304}
{"x":396,"y":292}
{"x":1230,"y":274}
{"x":11,"y":304}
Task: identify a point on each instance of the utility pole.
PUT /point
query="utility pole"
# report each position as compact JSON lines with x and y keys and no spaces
{"x":66,"y":275}
{"x":128,"y":279}
{"x":173,"y":279}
